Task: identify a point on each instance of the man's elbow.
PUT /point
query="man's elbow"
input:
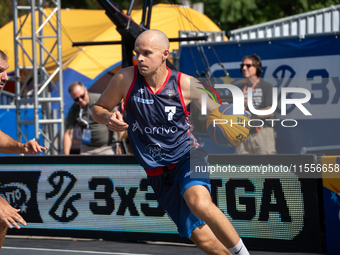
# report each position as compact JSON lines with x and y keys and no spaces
{"x":95,"y":109}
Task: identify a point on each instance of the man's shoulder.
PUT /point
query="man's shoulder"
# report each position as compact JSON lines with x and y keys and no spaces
{"x":125,"y":76}
{"x":74,"y":108}
{"x":264,"y":83}
{"x":185,"y":78}
{"x":73,"y":112}
{"x":127,"y":72}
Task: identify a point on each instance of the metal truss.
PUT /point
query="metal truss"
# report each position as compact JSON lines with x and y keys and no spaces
{"x":34,"y":85}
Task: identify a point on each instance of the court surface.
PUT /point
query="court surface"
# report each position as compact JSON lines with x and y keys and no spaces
{"x":15,"y":245}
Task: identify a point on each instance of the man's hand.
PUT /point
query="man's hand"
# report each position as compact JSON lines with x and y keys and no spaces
{"x":32,"y":147}
{"x":116,"y":123}
{"x":10,"y":215}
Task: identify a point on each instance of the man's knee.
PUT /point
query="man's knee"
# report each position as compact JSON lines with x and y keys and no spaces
{"x":199,"y":201}
{"x":201,"y":207}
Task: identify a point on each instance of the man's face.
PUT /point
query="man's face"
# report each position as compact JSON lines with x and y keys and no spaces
{"x":80,"y":95}
{"x":248,"y":68}
{"x":3,"y":74}
{"x":148,"y":55}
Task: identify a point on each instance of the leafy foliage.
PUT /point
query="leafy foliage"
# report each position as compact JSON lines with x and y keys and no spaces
{"x":233,"y":14}
{"x":227,"y":14}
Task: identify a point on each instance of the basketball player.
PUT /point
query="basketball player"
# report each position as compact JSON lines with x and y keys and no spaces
{"x":8,"y":215}
{"x":156,"y":104}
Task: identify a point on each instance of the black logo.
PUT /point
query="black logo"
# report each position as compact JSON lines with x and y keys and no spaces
{"x":57,"y":180}
{"x":237,"y":252}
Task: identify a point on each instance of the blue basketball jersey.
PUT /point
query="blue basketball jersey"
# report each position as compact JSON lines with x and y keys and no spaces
{"x":158,"y":122}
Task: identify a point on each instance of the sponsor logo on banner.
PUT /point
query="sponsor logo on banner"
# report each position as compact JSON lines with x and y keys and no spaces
{"x":77,"y":197}
{"x":63,"y":209}
{"x":20,"y":190}
{"x":16,"y":194}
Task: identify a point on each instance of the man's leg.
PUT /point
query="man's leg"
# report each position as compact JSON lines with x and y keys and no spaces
{"x":3,"y":230}
{"x":205,"y":239}
{"x":199,"y":201}
{"x":266,"y":141}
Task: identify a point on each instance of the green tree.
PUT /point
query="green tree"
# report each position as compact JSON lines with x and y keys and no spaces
{"x":227,"y":14}
{"x":235,"y":14}
{"x":5,"y":12}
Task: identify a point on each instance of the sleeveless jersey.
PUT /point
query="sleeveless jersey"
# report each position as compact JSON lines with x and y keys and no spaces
{"x":158,"y":122}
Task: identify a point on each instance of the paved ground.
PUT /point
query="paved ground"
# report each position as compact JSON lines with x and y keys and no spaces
{"x":43,"y":246}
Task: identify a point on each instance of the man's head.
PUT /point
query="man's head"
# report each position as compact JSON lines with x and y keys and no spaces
{"x":3,"y":67}
{"x":79,"y":93}
{"x":251,"y":66}
{"x":152,"y":50}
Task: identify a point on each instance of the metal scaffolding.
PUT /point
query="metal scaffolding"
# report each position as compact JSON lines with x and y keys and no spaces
{"x":38,"y":87}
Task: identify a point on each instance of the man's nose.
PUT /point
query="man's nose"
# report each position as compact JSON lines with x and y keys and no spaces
{"x":140,"y":57}
{"x":4,"y":76}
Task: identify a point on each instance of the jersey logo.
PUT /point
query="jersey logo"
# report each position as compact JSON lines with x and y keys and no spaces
{"x":170,"y":94}
{"x":136,"y":126}
{"x":141,"y":91}
{"x":162,"y":130}
{"x":142,"y":100}
{"x":156,"y":152}
{"x":171,"y":110}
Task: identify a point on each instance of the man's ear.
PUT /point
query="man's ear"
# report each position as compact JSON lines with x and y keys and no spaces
{"x":165,"y":54}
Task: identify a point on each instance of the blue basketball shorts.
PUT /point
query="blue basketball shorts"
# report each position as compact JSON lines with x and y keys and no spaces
{"x":170,"y":193}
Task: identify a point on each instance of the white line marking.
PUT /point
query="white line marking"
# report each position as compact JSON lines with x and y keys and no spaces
{"x":74,"y":251}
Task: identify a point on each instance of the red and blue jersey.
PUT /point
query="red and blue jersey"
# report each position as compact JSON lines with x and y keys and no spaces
{"x":158,"y":121}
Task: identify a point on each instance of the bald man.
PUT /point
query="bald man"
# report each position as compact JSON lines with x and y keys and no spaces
{"x":156,"y":100}
{"x":8,"y":215}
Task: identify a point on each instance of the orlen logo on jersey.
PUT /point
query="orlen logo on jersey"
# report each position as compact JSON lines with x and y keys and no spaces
{"x":163,"y":130}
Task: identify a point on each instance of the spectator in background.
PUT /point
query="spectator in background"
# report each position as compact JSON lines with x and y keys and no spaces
{"x":261,"y":140}
{"x":96,"y":137}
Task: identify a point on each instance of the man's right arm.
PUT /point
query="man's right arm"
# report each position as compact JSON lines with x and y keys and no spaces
{"x":115,"y":91}
{"x":68,"y":136}
{"x":10,"y":215}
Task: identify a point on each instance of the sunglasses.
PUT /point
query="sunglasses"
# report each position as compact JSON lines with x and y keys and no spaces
{"x":247,"y":65}
{"x":77,"y":98}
